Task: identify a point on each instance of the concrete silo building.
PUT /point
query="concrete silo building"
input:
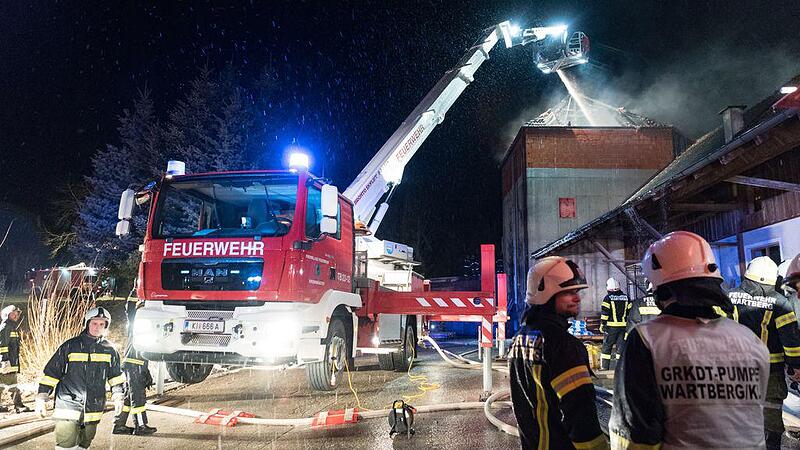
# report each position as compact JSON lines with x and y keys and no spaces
{"x":562,"y":172}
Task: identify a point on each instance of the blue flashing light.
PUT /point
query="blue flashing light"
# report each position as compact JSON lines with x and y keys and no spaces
{"x":298,"y":161}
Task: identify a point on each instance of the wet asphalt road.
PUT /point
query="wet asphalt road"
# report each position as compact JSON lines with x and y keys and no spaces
{"x":284,"y":394}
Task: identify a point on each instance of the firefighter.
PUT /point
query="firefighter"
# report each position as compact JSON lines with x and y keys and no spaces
{"x":689,"y":378}
{"x":78,"y":373}
{"x":9,"y":357}
{"x":138,"y":380}
{"x":613,"y":318}
{"x":643,"y":309}
{"x":551,"y":389}
{"x":768,"y":314}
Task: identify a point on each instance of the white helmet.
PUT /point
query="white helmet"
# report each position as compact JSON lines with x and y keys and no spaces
{"x":762,"y":270}
{"x":612,"y":285}
{"x":7,"y":311}
{"x":97,"y":313}
{"x":677,"y":256}
{"x":793,"y":273}
{"x":552,"y":275}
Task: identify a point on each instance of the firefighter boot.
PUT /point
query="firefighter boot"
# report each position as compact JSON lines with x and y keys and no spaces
{"x":141,"y":425}
{"x":3,"y":409}
{"x":119,"y":424}
{"x":19,"y":407}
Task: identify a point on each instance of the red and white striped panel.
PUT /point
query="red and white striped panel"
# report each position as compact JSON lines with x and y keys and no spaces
{"x":501,"y":330}
{"x":454,"y":302}
{"x":486,"y":333}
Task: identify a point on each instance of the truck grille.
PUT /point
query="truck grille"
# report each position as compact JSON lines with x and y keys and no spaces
{"x":208,"y":315}
{"x":209,"y":340}
{"x":204,"y":274}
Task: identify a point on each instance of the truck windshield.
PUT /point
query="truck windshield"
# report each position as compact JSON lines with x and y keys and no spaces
{"x":226,"y":207}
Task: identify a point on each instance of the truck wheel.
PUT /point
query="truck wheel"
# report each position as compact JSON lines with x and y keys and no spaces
{"x":402,"y":358}
{"x":325,"y":375}
{"x":386,"y":361}
{"x":188,"y":373}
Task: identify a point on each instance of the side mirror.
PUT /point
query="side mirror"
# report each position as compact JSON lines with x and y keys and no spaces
{"x":328,"y":226}
{"x":330,"y":201}
{"x":330,"y":209}
{"x":125,"y":212}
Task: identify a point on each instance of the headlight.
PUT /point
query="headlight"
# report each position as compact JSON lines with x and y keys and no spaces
{"x":143,"y":332}
{"x":283,"y":331}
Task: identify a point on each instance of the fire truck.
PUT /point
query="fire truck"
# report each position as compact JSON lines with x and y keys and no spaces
{"x":266,"y":268}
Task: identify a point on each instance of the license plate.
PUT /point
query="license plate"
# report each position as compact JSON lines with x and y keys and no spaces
{"x":204,"y":326}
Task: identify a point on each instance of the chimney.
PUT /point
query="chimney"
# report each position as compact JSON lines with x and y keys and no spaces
{"x":732,"y":120}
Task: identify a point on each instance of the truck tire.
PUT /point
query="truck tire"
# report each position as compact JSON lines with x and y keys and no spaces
{"x":326,"y":375}
{"x":386,"y":361}
{"x":188,"y":373}
{"x":403,"y":358}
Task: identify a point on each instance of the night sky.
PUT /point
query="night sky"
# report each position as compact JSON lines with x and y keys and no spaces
{"x":355,"y":70}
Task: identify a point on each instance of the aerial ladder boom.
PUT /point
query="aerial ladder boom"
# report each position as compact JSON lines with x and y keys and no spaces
{"x":385,"y":171}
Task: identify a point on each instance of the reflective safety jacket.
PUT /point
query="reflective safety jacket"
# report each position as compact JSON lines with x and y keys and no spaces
{"x":614,"y":310}
{"x":689,"y":379}
{"x":9,"y":344}
{"x":642,"y":310}
{"x":771,"y":317}
{"x":551,"y":388}
{"x":78,"y":372}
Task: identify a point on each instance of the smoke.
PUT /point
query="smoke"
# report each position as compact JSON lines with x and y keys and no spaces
{"x":689,"y":90}
{"x":686,"y":90}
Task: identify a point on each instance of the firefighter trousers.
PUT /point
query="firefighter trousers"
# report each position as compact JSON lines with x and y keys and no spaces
{"x":72,"y":434}
{"x":135,"y":401}
{"x":773,"y":414}
{"x":612,"y":341}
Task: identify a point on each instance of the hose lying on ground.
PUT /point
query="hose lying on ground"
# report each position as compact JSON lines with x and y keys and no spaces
{"x":307,"y":421}
{"x":467,"y":364}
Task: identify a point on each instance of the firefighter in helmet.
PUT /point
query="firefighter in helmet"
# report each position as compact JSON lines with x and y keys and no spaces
{"x":689,"y":378}
{"x":613,"y":318}
{"x":551,"y":388}
{"x":78,"y":373}
{"x":134,"y":364}
{"x":770,"y":316}
{"x":9,"y":357}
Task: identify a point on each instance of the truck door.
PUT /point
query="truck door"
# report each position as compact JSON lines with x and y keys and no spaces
{"x":328,"y":264}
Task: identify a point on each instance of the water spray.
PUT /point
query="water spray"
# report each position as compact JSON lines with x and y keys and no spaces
{"x":577,"y":97}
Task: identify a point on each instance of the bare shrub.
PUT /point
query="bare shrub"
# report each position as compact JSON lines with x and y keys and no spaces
{"x":55,"y":314}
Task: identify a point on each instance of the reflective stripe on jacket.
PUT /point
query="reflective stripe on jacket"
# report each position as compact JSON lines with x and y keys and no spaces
{"x":614,"y":310}
{"x":771,"y":317}
{"x":551,"y":388}
{"x":690,"y":381}
{"x":78,"y":372}
{"x":642,"y":310}
{"x":9,"y":344}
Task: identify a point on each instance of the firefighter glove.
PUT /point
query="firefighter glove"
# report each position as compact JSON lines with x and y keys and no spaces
{"x":5,"y":366}
{"x":41,"y":405}
{"x":118,"y":398}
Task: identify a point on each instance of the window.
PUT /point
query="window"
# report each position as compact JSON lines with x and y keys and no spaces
{"x":314,"y":215}
{"x":226,"y":207}
{"x":313,"y":212}
{"x":566,"y":208}
{"x":771,"y":250}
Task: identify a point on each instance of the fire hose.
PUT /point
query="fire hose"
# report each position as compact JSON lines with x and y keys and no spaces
{"x":308,"y":421}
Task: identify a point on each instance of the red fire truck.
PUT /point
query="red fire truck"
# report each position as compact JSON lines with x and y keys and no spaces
{"x":278,"y":267}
